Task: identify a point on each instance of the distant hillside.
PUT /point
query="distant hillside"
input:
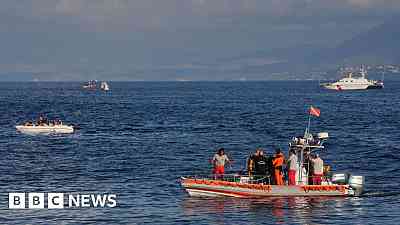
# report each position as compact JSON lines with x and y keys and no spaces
{"x":378,"y":45}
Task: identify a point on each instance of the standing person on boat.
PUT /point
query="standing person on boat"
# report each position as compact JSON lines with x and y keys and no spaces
{"x":219,"y":161}
{"x":318,"y":169}
{"x":260,"y":163}
{"x":308,"y":165}
{"x":250,"y":164}
{"x":277,"y":163}
{"x":270,"y":168}
{"x":292,"y":167}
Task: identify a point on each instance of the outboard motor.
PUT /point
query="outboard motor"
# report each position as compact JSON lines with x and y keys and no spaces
{"x":340,"y":178}
{"x":323,"y":135}
{"x":356,"y":183}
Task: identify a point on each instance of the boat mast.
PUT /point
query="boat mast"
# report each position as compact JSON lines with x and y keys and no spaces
{"x":306,"y":136}
{"x":301,"y":166}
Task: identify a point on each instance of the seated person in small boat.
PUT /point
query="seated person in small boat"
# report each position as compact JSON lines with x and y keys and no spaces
{"x":277,"y":163}
{"x":42,"y":121}
{"x":39,"y":121}
{"x":219,"y":161}
{"x":292,"y":167}
{"x":318,"y":169}
{"x":29,"y":123}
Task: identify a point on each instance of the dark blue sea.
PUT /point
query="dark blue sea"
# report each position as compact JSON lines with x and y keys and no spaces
{"x":138,"y":139}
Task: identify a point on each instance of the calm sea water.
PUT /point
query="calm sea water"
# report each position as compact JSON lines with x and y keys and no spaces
{"x":137,"y":140}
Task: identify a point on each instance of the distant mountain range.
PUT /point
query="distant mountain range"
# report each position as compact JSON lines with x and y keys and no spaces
{"x":377,"y":46}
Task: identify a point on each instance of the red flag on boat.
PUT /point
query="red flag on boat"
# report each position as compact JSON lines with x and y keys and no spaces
{"x":315,"y":111}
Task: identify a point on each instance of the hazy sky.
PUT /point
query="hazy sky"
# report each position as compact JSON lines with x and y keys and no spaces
{"x":161,"y":39}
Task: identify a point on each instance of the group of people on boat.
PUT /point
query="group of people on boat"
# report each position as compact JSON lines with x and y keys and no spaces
{"x":92,"y":84}
{"x":43,"y":121}
{"x":276,"y":168}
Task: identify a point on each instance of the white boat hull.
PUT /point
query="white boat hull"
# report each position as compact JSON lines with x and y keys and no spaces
{"x":56,"y":129}
{"x":354,"y":83}
{"x":209,"y":188}
{"x":346,"y":87}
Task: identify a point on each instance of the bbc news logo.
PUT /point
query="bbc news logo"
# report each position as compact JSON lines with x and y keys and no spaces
{"x":60,"y":200}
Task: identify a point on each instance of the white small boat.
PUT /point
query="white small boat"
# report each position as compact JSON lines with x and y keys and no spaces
{"x":92,"y":84}
{"x":351,"y":82}
{"x":104,"y":86}
{"x":45,"y":129}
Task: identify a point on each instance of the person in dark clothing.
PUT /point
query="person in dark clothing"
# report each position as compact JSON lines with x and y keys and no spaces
{"x":260,"y":163}
{"x":269,"y":167}
{"x":308,"y":166}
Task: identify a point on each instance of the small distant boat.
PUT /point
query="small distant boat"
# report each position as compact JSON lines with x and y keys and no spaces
{"x":350,"y":82}
{"x":92,"y":84}
{"x":104,"y":86}
{"x":45,"y":129}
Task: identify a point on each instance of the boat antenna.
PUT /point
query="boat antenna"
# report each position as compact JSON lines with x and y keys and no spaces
{"x":307,"y":131}
{"x":306,"y":135}
{"x":311,"y":112}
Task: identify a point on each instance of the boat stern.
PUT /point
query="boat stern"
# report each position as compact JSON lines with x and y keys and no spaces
{"x":356,"y":183}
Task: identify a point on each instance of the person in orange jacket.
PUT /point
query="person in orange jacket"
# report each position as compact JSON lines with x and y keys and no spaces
{"x":277,"y":163}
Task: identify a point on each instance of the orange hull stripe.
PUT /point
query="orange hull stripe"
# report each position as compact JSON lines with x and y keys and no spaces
{"x":224,"y":192}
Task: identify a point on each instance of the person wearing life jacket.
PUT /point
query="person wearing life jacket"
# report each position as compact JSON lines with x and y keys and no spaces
{"x":292,"y":167}
{"x":277,"y":163}
{"x":219,"y":161}
{"x":318,"y":169}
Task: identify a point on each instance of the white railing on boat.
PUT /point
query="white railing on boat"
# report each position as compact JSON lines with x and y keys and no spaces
{"x":256,"y":179}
